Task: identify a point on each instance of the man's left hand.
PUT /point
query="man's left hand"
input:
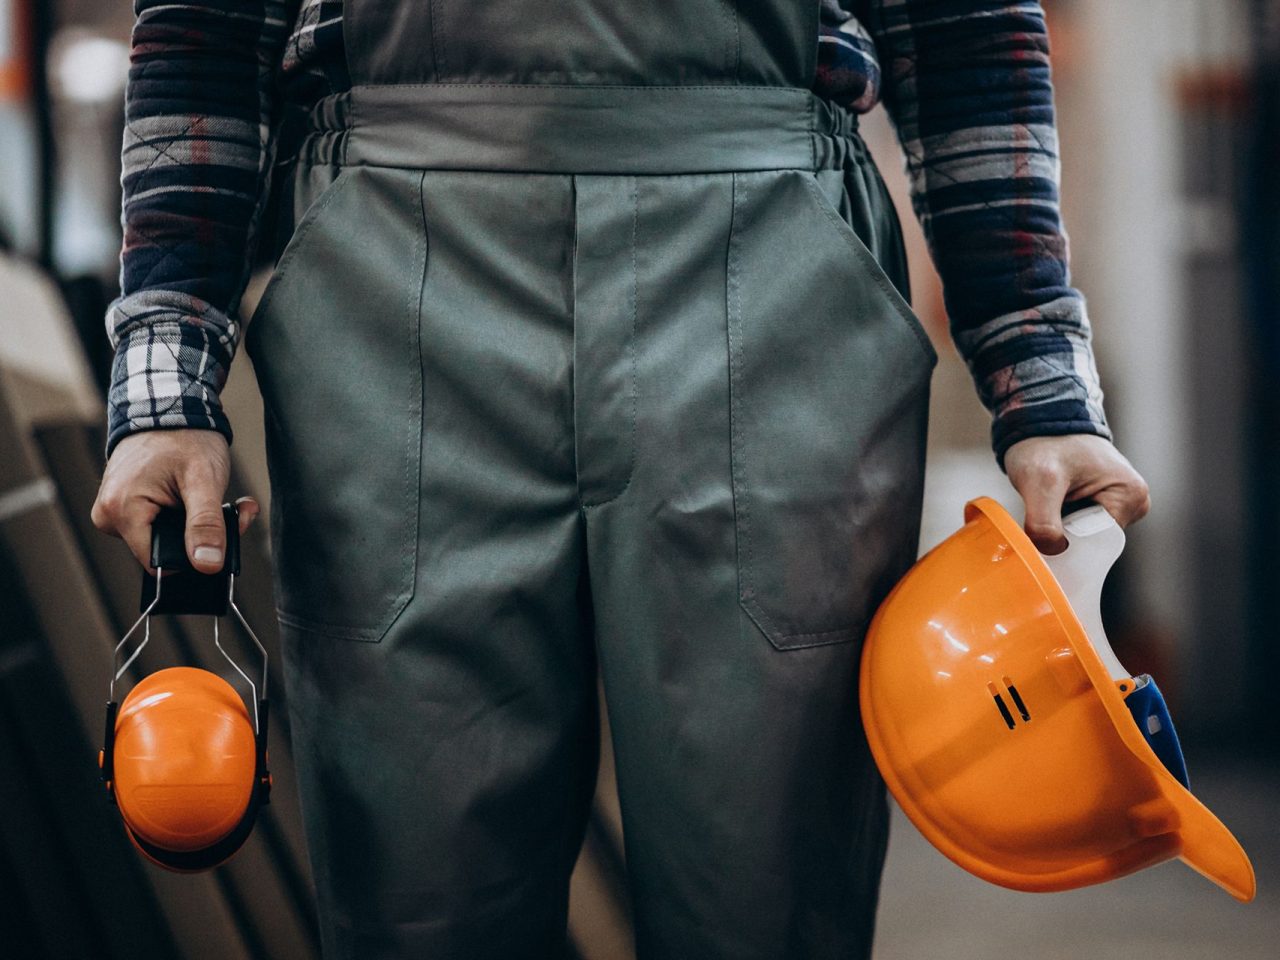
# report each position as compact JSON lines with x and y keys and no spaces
{"x":1050,"y":471}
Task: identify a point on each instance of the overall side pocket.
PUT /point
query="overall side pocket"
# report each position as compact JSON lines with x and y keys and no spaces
{"x":829,"y":399}
{"x":336,"y":350}
{"x":865,"y":258}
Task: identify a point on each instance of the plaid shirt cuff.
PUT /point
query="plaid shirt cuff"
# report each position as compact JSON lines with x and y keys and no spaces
{"x":1035,"y":372}
{"x":170,"y":365}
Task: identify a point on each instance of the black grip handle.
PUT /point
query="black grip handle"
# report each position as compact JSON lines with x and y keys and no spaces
{"x":185,"y":589}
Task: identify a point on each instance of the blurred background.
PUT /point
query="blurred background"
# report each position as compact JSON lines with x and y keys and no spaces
{"x":1169,"y":112}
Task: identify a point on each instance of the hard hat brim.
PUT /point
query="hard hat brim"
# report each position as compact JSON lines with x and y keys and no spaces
{"x":1210,"y":849}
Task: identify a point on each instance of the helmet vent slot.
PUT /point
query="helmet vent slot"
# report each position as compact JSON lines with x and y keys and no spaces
{"x":1004,"y":710}
{"x":1003,"y":707}
{"x":1017,"y":700}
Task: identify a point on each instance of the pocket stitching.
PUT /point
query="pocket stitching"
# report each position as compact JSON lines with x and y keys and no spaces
{"x":881,"y":279}
{"x":741,"y":499}
{"x":337,"y":631}
{"x":413,"y":438}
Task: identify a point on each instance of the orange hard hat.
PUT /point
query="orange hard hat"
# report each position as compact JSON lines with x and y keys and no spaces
{"x":1008,"y":731}
{"x":185,"y":768}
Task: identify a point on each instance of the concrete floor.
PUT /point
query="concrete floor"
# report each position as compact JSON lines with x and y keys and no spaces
{"x":930,"y":909}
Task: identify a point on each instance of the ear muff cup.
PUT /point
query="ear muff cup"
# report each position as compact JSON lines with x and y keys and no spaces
{"x":187,"y":771}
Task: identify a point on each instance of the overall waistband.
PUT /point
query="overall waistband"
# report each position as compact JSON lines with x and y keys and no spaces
{"x":580,"y":129}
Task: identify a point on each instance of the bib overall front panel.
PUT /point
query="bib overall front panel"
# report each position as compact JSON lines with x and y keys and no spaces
{"x":589,"y":42}
{"x":587,"y":351}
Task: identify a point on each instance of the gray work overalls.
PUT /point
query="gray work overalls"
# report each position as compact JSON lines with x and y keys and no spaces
{"x":588,"y":341}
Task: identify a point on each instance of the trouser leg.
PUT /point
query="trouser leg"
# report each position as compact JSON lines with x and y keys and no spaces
{"x":771,"y":497}
{"x":755,"y":821}
{"x":446,"y":770}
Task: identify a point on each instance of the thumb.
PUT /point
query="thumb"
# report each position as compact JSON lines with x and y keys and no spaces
{"x":206,"y":532}
{"x":1044,"y":499}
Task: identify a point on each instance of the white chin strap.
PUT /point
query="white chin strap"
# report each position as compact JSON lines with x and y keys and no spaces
{"x":1095,"y":542}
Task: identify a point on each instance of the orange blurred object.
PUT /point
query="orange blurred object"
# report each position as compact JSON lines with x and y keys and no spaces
{"x":999,"y":722}
{"x":15,"y":52}
{"x":184,"y":759}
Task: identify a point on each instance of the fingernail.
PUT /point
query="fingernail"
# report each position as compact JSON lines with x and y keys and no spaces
{"x":208,"y":555}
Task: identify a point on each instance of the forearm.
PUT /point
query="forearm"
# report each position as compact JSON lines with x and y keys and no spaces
{"x":195,"y":162}
{"x":967,"y":83}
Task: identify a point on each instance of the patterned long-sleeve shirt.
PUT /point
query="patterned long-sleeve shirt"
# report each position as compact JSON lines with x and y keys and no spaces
{"x":966,"y":84}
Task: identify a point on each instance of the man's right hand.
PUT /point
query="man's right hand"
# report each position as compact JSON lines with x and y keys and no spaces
{"x":169,"y":468}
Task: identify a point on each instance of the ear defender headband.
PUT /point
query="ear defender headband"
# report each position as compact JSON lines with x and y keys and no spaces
{"x":192,"y":774}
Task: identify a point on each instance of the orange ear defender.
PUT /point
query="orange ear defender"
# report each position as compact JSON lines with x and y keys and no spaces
{"x":182,"y":758}
{"x":1009,"y":732}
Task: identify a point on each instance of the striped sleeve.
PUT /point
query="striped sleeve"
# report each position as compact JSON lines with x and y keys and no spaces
{"x":195,"y":161}
{"x":967,"y":85}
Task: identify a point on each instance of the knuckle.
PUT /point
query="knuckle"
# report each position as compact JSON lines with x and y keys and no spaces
{"x":1137,"y":494}
{"x":202,"y":469}
{"x":1055,"y":472}
{"x":107,"y":509}
{"x":1144,"y":505}
{"x":198,"y":470}
{"x":1046,"y":471}
{"x":205,"y":519}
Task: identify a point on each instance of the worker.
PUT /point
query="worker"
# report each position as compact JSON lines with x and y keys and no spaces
{"x":589,"y":347}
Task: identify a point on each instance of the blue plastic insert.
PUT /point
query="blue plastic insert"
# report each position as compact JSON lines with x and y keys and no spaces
{"x":1146,"y":704}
